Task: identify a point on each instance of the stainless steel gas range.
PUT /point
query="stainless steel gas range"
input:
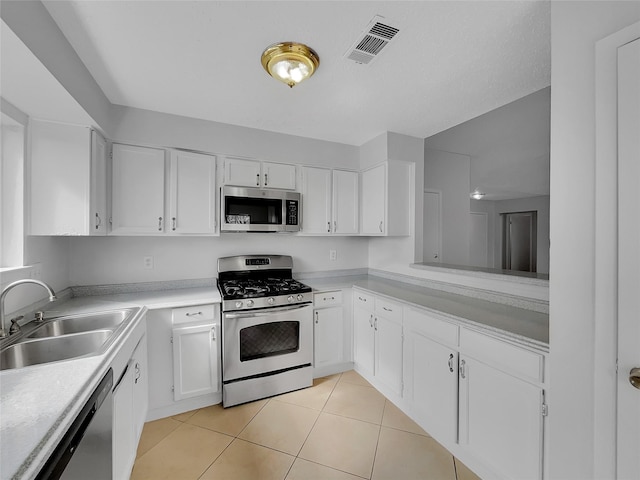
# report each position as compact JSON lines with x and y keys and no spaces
{"x":267,"y":328}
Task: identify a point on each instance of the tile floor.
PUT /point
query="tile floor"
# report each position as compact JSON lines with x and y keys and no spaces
{"x":340,"y":429}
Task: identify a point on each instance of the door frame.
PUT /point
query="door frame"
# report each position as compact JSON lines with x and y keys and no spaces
{"x":606,"y":240}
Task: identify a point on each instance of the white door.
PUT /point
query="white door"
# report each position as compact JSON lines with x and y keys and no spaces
{"x":279,"y":175}
{"x":345,"y":202}
{"x":195,"y":368}
{"x":364,"y":340}
{"x":388,"y":353}
{"x":316,"y":200}
{"x":98,"y":191}
{"x":628,"y":443}
{"x":478,"y":239}
{"x":192,"y":197}
{"x":138,"y":190}
{"x":327,"y":336}
{"x":432,"y":236}
{"x":241,"y":172}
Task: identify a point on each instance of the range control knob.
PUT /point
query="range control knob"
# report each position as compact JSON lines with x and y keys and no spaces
{"x":271,"y":300}
{"x":290,"y":298}
{"x":239,"y":304}
{"x":299,"y":297}
{"x":249,"y":303}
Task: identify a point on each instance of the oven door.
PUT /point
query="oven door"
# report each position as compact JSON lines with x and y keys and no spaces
{"x":266,"y":340}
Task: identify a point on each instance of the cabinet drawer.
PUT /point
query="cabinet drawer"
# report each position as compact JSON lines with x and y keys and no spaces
{"x":502,"y":355}
{"x":192,"y":314}
{"x":387,"y":309}
{"x":363,"y":300}
{"x":434,"y":328}
{"x":327,"y":299}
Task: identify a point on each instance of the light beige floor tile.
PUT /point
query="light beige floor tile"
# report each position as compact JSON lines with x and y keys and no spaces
{"x":354,"y":377}
{"x":463,"y":472}
{"x":184,"y":454}
{"x":402,"y":455}
{"x":247,"y":461}
{"x":281,"y":426}
{"x":227,"y":420}
{"x":305,"y":470}
{"x":342,"y":443}
{"x":154,"y":432}
{"x":395,"y":418}
{"x":183,"y":417}
{"x":312,"y":397}
{"x":356,"y":401}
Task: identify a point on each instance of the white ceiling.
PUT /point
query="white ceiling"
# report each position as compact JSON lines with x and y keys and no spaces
{"x":450,"y":62}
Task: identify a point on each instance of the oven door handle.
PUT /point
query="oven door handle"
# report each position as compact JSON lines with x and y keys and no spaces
{"x":265,"y":313}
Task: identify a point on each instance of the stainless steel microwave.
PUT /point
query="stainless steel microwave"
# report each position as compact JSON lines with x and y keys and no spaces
{"x":259,"y":210}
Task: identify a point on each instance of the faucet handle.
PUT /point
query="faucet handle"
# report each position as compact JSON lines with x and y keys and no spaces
{"x":39,"y":316}
{"x":15,"y":327}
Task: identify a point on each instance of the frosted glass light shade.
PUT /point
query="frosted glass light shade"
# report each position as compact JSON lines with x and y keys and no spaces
{"x":289,"y":62}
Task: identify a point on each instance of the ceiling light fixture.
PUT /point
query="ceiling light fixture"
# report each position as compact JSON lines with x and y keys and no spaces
{"x":290,"y":62}
{"x":477,"y":195}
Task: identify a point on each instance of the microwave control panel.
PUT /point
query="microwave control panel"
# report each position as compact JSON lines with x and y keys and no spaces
{"x":292,"y":212}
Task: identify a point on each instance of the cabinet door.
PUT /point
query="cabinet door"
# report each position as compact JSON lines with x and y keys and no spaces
{"x":192,"y":193}
{"x":140,"y":387}
{"x":345,"y":202}
{"x":241,"y":172}
{"x":501,"y":420}
{"x":124,"y":445}
{"x":364,"y":339}
{"x":98,"y":192}
{"x":138,"y":190}
{"x":316,"y":200}
{"x":278,"y":175}
{"x":374,"y":193}
{"x":328,"y":336}
{"x":195,"y":365}
{"x":388,"y":353}
{"x":431,"y":385}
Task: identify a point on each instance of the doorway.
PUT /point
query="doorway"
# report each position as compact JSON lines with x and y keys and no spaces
{"x":519,"y":245}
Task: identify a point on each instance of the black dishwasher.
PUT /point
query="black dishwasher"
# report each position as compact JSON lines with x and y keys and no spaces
{"x":85,"y":451}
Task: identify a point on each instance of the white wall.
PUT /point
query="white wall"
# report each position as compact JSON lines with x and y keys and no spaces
{"x":120,"y":259}
{"x":449,"y":173}
{"x":575,"y":28}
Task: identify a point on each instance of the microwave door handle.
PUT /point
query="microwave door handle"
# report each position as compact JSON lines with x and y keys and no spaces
{"x":271,"y":311}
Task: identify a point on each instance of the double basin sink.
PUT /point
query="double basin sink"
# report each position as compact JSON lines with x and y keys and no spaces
{"x":63,"y":338}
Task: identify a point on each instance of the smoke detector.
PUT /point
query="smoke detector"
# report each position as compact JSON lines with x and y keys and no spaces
{"x":372,"y":41}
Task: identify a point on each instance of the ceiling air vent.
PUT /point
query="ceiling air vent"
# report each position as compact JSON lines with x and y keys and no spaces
{"x":371,"y":42}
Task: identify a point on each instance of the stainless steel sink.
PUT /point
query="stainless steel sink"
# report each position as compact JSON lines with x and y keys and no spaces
{"x":81,"y":323}
{"x":53,"y":349}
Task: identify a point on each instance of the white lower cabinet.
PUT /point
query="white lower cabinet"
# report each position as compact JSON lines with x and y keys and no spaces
{"x":431,"y":374}
{"x":129,"y":409}
{"x":330,"y":326}
{"x":184,"y":359}
{"x":378,"y":341}
{"x":195,"y":365}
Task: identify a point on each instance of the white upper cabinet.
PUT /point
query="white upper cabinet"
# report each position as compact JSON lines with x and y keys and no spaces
{"x":329,"y":201}
{"x":143,"y":206}
{"x":252,"y":173}
{"x":386,"y":199}
{"x":138,"y":190}
{"x":67,"y":180}
{"x":192,"y":193}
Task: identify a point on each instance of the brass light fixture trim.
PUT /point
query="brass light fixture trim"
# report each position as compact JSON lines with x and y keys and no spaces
{"x":290,"y":62}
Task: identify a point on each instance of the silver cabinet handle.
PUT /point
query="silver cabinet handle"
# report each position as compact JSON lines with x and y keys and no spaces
{"x":98,"y":221}
{"x":387,"y":309}
{"x":634,"y":377}
{"x":362,"y":299}
{"x":316,"y":317}
{"x":160,"y":224}
{"x":213,"y":333}
{"x":258,"y":179}
{"x":329,"y":227}
{"x":451,"y":362}
{"x":188,"y":314}
{"x":375,"y":324}
{"x":462,"y":369}
{"x":371,"y":320}
{"x":137,"y":370}
{"x":328,"y":298}
{"x":266,"y":180}
{"x":380,"y":227}
{"x":335,"y":226}
{"x":173,"y":223}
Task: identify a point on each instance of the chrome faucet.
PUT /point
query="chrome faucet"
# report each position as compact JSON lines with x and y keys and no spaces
{"x":52,"y":297}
